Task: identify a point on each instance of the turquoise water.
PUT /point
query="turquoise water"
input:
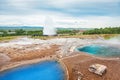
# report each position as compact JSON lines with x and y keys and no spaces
{"x":47,"y":70}
{"x":101,"y":50}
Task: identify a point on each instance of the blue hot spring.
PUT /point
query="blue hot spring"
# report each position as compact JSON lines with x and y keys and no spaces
{"x":47,"y":70}
{"x":101,"y":50}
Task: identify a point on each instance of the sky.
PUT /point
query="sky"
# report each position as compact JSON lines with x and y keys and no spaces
{"x":64,"y":13}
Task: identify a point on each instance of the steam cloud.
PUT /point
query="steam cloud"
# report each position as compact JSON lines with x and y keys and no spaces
{"x":49,"y":28}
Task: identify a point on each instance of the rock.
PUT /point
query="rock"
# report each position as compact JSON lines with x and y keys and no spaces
{"x":97,"y":69}
{"x":79,"y":78}
{"x":77,"y":74}
{"x":80,"y":75}
{"x":72,"y":48}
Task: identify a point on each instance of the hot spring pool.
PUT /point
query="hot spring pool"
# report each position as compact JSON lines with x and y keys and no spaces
{"x":101,"y":50}
{"x":47,"y":70}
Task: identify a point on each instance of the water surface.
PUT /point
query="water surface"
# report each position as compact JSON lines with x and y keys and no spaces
{"x":47,"y":70}
{"x":101,"y":50}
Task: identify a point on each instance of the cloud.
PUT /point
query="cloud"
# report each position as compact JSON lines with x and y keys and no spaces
{"x":39,"y":20}
{"x":66,"y":7}
{"x":66,"y":13}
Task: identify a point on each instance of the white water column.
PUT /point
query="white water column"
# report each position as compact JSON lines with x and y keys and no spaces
{"x":49,"y":28}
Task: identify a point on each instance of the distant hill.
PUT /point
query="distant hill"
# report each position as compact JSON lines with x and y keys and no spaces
{"x":74,"y":28}
{"x":37,"y":28}
{"x":20,"y":27}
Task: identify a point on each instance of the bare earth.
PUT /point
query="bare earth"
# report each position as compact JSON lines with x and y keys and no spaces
{"x":27,"y":51}
{"x":82,"y":62}
{"x":18,"y":56}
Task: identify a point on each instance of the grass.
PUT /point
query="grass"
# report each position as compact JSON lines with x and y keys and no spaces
{"x":8,"y":38}
{"x":95,"y":36}
{"x":108,"y":36}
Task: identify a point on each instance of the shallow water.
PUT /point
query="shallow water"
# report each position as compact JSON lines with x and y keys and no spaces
{"x":101,"y":50}
{"x":47,"y":70}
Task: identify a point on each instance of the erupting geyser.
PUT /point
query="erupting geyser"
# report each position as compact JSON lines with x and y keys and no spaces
{"x":49,"y":28}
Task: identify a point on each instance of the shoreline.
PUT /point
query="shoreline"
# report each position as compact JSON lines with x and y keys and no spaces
{"x":65,"y":69}
{"x":35,"y":61}
{"x":81,"y":62}
{"x":61,"y":61}
{"x":61,"y":50}
{"x":11,"y":65}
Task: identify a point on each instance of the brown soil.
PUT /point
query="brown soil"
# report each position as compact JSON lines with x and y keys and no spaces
{"x":36,"y":54}
{"x":23,"y":54}
{"x":20,"y":57}
{"x":82,"y":62}
{"x":79,"y":62}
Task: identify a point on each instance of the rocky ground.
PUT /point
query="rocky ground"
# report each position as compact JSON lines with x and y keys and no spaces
{"x":81,"y":63}
{"x":27,"y":49}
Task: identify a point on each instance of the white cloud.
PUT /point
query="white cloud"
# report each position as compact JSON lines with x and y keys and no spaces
{"x":65,"y":13}
{"x":55,"y":3}
{"x":61,"y":21}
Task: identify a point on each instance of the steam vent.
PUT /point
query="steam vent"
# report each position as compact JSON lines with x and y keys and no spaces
{"x":49,"y":28}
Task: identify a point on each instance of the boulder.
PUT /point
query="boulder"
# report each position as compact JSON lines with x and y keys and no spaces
{"x":97,"y":69}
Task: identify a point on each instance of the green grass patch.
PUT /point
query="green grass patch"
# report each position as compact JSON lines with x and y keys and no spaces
{"x":108,"y":36}
{"x":8,"y":38}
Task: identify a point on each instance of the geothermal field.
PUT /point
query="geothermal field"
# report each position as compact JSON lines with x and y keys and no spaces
{"x":59,"y":39}
{"x":25,"y":50}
